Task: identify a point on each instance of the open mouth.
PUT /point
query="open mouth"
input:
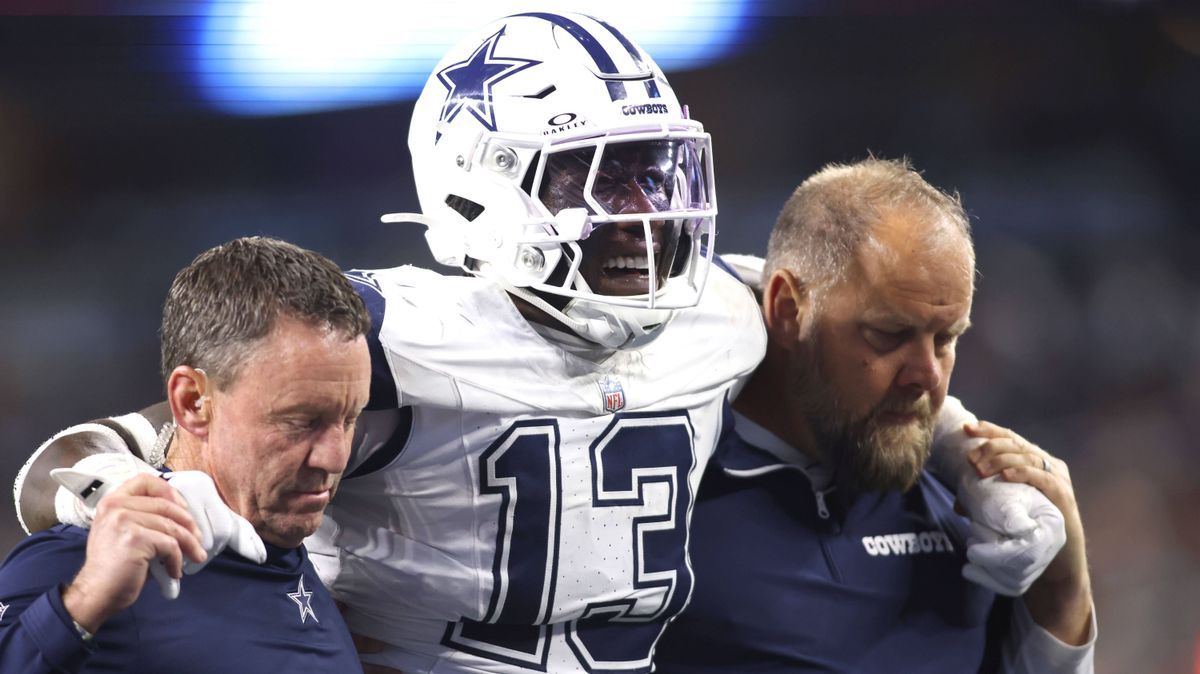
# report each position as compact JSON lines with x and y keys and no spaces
{"x":617,"y":261}
{"x":627,"y":264}
{"x":623,"y":275}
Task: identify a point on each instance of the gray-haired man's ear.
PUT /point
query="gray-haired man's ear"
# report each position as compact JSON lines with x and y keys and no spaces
{"x":787,"y":308}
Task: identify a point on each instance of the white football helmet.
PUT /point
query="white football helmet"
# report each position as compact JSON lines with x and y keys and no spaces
{"x":551,"y":156}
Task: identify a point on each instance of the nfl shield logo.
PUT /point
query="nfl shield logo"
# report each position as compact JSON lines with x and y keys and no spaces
{"x":613,"y":394}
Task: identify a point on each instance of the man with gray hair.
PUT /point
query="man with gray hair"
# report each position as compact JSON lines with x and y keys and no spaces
{"x":820,"y":541}
{"x":266,"y":368}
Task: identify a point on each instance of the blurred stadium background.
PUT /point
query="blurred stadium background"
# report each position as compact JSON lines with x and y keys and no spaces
{"x":135,"y":134}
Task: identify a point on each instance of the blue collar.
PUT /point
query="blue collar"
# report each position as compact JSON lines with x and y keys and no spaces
{"x":756,"y":451}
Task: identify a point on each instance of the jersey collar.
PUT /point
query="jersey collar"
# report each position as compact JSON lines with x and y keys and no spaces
{"x":761,"y":451}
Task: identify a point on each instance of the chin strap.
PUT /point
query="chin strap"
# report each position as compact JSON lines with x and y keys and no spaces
{"x":602,"y":328}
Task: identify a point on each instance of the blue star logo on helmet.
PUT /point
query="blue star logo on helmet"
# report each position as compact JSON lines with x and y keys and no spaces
{"x":470,"y":81}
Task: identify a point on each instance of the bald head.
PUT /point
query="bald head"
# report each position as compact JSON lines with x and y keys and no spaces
{"x":877,"y":205}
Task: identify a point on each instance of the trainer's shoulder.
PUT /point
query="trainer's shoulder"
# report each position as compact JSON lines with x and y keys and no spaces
{"x":57,"y":537}
{"x":43,"y":559}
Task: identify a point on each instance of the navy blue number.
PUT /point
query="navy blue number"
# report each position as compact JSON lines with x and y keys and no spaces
{"x":522,"y":468}
{"x":642,"y":461}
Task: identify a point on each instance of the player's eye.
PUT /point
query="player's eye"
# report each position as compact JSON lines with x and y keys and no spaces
{"x":652,"y":182}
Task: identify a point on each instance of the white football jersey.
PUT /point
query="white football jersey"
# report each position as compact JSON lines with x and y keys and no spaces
{"x":522,"y":508}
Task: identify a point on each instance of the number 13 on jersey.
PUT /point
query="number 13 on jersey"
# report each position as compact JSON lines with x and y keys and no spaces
{"x":591,"y":540}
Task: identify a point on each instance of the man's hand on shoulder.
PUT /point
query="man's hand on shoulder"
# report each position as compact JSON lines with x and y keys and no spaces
{"x":140,"y":521}
{"x":1016,"y":531}
{"x":219,"y":526}
{"x":1060,"y":600}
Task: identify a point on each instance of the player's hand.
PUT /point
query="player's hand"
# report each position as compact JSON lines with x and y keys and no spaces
{"x":113,"y":468}
{"x":1008,"y":455}
{"x":219,"y":526}
{"x":1009,"y":565}
{"x":1016,"y":532}
{"x":1060,"y":600}
{"x":138,"y":522}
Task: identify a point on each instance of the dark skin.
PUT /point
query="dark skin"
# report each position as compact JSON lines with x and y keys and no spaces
{"x":632,"y":178}
{"x":37,"y":496}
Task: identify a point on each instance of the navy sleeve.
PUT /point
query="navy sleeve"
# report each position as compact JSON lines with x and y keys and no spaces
{"x":383,"y":384}
{"x":36,"y":634}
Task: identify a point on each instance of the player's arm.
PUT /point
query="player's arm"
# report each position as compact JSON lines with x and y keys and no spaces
{"x":117,"y":449}
{"x":746,"y":268}
{"x":35,"y":491}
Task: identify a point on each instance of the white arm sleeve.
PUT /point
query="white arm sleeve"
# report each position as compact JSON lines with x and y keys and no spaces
{"x":1030,"y":649}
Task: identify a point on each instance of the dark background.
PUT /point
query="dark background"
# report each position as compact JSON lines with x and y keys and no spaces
{"x":1072,"y":133}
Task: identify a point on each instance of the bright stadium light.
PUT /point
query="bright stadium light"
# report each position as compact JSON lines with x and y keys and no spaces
{"x":270,"y":57}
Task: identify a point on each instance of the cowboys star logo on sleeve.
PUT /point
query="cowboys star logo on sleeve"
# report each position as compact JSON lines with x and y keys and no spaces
{"x":470,"y":82}
{"x":3,"y":608}
{"x":365,"y":278}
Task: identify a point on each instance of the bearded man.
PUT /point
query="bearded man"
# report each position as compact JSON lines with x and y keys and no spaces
{"x":820,"y":542}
